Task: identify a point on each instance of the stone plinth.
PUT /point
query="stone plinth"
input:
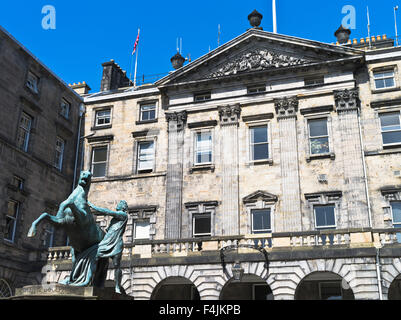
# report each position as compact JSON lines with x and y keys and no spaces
{"x":62,"y":292}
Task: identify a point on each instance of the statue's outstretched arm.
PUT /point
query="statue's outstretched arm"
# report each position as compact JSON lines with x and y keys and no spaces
{"x":121,"y":215}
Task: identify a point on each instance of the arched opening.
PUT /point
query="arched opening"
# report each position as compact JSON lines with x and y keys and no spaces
{"x":5,"y":289}
{"x":175,"y":288}
{"x":394,"y":292}
{"x":251,"y":287}
{"x":323,"y":286}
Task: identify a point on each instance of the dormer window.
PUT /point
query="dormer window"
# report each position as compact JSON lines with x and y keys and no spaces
{"x":204,"y":96}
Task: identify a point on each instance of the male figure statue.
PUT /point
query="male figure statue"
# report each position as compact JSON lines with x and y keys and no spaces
{"x":112,"y":244}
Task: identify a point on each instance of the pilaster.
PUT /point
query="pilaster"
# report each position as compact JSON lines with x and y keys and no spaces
{"x":347,"y":106}
{"x":229,"y":117}
{"x":289,"y":217}
{"x":176,"y":123}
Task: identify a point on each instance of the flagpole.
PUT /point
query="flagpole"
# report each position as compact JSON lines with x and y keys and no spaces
{"x":370,"y":41}
{"x":274,"y":16}
{"x":136,"y":63}
{"x":130,"y":73}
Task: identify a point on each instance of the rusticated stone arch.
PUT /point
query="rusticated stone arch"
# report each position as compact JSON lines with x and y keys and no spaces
{"x":389,"y":272}
{"x":285,"y":276}
{"x":208,"y":279}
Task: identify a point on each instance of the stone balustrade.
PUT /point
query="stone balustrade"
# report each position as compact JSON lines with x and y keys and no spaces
{"x":268,"y":242}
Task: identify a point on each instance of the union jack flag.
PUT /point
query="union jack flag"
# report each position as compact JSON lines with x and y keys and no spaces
{"x":136,"y":43}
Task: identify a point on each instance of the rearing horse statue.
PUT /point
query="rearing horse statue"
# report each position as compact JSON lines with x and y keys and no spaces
{"x":75,"y":217}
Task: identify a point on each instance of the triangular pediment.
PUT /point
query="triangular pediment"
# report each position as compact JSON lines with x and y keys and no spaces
{"x":256,"y":51}
{"x":260,"y":195}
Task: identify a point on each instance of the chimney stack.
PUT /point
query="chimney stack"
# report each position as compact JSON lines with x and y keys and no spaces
{"x":80,"y":88}
{"x":113,"y":77}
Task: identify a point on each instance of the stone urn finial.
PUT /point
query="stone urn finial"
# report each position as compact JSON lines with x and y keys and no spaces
{"x":342,"y":34}
{"x":177,"y":61}
{"x":255,"y":18}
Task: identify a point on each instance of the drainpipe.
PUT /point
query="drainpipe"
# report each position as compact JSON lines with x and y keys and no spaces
{"x":82,"y":111}
{"x":379,"y":278}
{"x":364,"y":171}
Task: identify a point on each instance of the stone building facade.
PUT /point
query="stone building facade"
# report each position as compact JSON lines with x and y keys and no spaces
{"x":266,"y":169}
{"x":38,"y":137}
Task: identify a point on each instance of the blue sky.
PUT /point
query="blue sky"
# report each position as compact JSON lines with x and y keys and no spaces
{"x":89,"y":33}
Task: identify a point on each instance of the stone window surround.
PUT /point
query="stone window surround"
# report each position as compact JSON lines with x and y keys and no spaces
{"x":94,"y":112}
{"x":201,"y":207}
{"x":201,"y":166}
{"x":17,"y":219}
{"x":315,"y":116}
{"x":389,"y":194}
{"x":385,"y":67}
{"x":140,"y":103}
{"x":257,"y":123}
{"x":38,"y":84}
{"x":141,"y":213}
{"x":384,"y":110}
{"x":260,"y":202}
{"x":68,"y":103}
{"x":99,"y":144}
{"x":150,"y":136}
{"x":321,"y":199}
{"x":28,"y":143}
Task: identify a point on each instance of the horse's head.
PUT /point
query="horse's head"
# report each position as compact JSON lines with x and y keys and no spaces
{"x":85,"y":179}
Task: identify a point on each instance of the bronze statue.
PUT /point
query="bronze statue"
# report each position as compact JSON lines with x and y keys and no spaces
{"x":112,"y":244}
{"x":75,"y":217}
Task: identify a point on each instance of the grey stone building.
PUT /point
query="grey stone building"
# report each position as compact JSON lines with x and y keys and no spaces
{"x":38,"y":139}
{"x":266,"y":169}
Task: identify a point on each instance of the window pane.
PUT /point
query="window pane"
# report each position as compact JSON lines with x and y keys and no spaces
{"x":391,"y":137}
{"x":318,"y":128}
{"x":9,"y":231}
{"x":396,"y":208}
{"x":259,"y":134}
{"x":12,"y":209}
{"x":261,"y":220}
{"x":324,"y":216}
{"x":260,"y":151}
{"x":203,"y":147}
{"x":319,"y":145}
{"x":202,"y":224}
{"x":380,"y":84}
{"x":389,"y":82}
{"x":99,"y":154}
{"x":99,"y":169}
{"x":146,"y":155}
{"x":203,"y":157}
{"x":390,"y":120}
{"x":142,"y":229}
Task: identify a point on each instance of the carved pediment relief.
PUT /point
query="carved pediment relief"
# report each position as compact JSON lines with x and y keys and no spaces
{"x":255,"y":60}
{"x":256,"y":51}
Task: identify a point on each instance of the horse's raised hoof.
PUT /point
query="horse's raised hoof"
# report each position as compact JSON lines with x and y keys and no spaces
{"x":32,"y":232}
